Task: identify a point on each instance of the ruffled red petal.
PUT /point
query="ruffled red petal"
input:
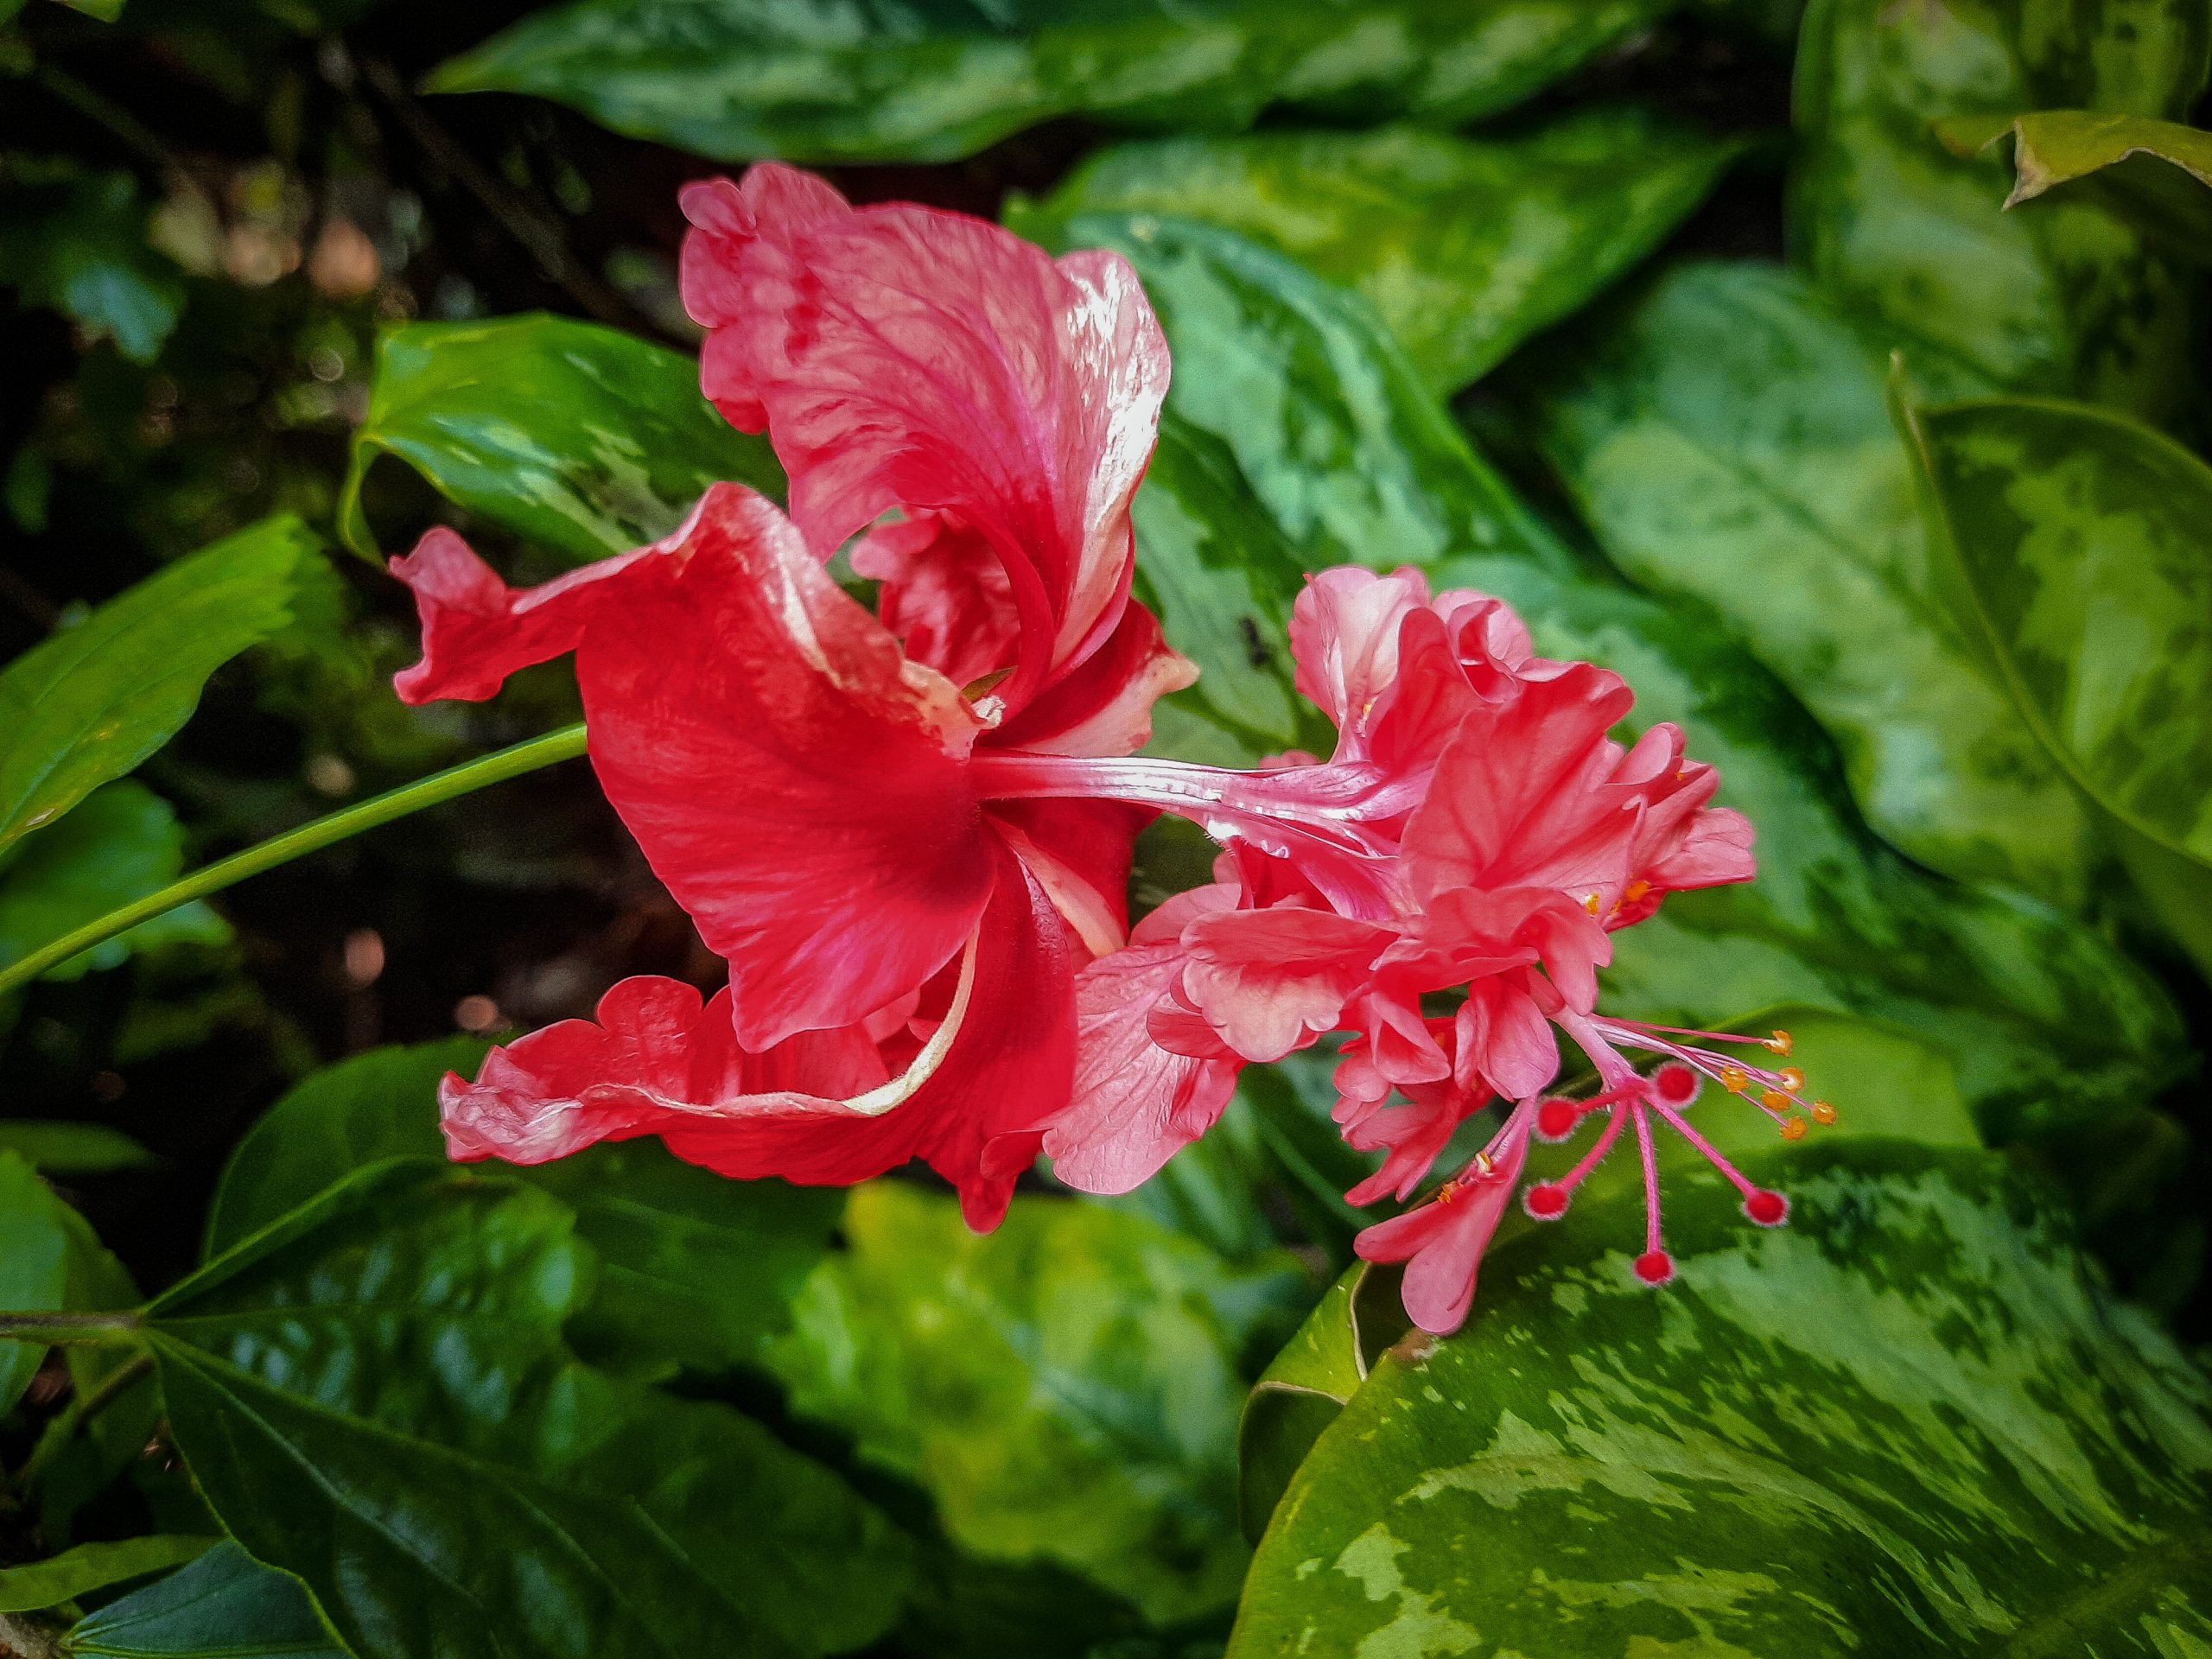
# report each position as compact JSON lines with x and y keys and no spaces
{"x":793,"y":778}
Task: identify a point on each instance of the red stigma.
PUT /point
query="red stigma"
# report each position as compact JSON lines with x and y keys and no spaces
{"x":1675,"y":1084}
{"x":1555,"y":1120}
{"x":1768,"y":1209}
{"x":1654,"y":1267}
{"x":1545,"y":1201}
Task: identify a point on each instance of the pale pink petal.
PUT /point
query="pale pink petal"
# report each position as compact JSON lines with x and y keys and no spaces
{"x":1271,"y":981}
{"x":1504,"y":1038}
{"x":1136,"y":1103}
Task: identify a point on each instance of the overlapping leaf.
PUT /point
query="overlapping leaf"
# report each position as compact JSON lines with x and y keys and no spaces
{"x":225,"y":1605}
{"x":582,"y":440}
{"x":1730,"y":438}
{"x":2069,"y":299}
{"x":372,"y":1395}
{"x":1908,"y":1421}
{"x":936,"y":80}
{"x":2083,"y":548}
{"x":692,"y":1268}
{"x":1298,"y":436}
{"x":91,"y":703}
{"x":1066,"y":1389}
{"x":1464,"y":246}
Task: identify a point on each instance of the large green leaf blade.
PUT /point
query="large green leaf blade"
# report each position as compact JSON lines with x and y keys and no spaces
{"x":1731,"y":440}
{"x":582,"y":440}
{"x":2155,"y":172}
{"x":1066,"y":1388}
{"x":1263,"y":474}
{"x":373,"y":1395}
{"x":2084,"y":544}
{"x":1464,"y":246}
{"x":91,"y":703}
{"x":933,"y":80}
{"x":225,"y":1605}
{"x":34,"y":1586}
{"x":34,"y":1245}
{"x":1908,"y":1422}
{"x":2070,"y":299}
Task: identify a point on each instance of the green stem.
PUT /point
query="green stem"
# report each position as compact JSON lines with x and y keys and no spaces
{"x":64,"y":1330}
{"x":563,"y":745}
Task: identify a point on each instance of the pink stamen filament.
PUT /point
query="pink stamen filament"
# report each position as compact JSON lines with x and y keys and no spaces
{"x":1704,"y":1147}
{"x":1596,"y":1155}
{"x":1649,"y":1153}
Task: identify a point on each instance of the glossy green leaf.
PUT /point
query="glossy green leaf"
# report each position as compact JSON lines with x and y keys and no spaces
{"x":1066,"y":1389}
{"x":936,"y":79}
{"x":122,"y":843}
{"x":91,"y":702}
{"x":75,"y":242}
{"x":64,"y":1148}
{"x":34,"y":1586}
{"x":1731,"y":440}
{"x":225,"y":1605}
{"x":582,"y":440}
{"x":1907,"y":1423}
{"x":330,"y":1124}
{"x":2083,"y":545}
{"x":372,"y":1395}
{"x":34,"y":1266}
{"x":1466,"y":246}
{"x":693,"y":1269}
{"x":2068,"y":300}
{"x":2154,"y":171}
{"x":1262,"y":475}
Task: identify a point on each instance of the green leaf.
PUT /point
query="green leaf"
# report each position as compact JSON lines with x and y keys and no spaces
{"x":75,"y":242}
{"x":121,"y":843}
{"x":91,"y":703}
{"x":38,"y":1585}
{"x":372,"y":1395}
{"x":2070,"y":300}
{"x":332,"y":1124}
{"x":2153,"y":171}
{"x":1907,"y":1423}
{"x":64,"y":1148}
{"x":1731,"y":440}
{"x":34,"y":1245}
{"x":933,"y":80}
{"x":2083,"y":545}
{"x":696,"y":1269}
{"x":582,"y":440}
{"x":1466,"y":247}
{"x":1263,"y":474}
{"x":225,"y":1605}
{"x":1066,"y":1389}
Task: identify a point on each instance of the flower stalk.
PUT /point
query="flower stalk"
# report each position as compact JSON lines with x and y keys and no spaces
{"x":512,"y":762}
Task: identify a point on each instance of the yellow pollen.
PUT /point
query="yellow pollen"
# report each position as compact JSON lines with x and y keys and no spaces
{"x":1590,"y":904}
{"x":1780,"y":1043}
{"x":1635,"y":891}
{"x":1448,"y":1192}
{"x":1734,"y":1079}
{"x":1775,"y":1101}
{"x":1823,"y":1114}
{"x":1793,"y":1128}
{"x":1792,"y":1078}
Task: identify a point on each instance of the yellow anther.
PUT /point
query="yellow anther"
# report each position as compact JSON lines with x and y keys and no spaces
{"x":1793,"y":1128}
{"x":1780,"y":1043}
{"x":1792,"y":1078}
{"x":1734,"y":1079}
{"x":1775,"y":1101}
{"x":1823,"y":1114}
{"x":1636,"y":890}
{"x":1482,"y":1162}
{"x":1590,"y":904}
{"x":1448,"y":1192}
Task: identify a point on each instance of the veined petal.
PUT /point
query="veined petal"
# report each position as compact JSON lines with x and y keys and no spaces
{"x":1079,"y":852}
{"x":944,"y":593}
{"x":904,"y":358}
{"x":794,"y":780}
{"x":1136,"y":1103}
{"x":1103,"y":707}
